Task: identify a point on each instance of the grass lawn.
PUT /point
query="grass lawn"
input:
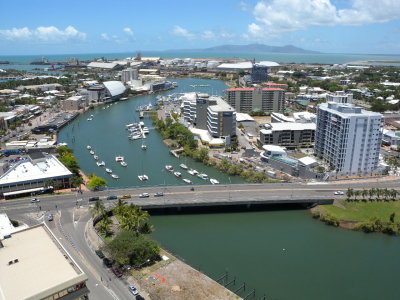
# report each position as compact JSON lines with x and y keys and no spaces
{"x":363,"y":211}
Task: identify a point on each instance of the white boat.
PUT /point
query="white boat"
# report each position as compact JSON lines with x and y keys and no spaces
{"x":108,"y":170}
{"x":95,"y":157}
{"x":100,"y":164}
{"x":135,"y":137}
{"x":89,"y":119}
{"x":169,"y":168}
{"x":144,"y":147}
{"x":195,"y":172}
{"x":191,"y":172}
{"x":203,"y":176}
{"x":119,"y":158}
{"x":129,"y":125}
{"x":141,"y":124}
{"x":124,"y":164}
{"x":178,"y":174}
{"x":143,"y":177}
{"x":146,"y":130}
{"x":88,"y":147}
{"x":91,"y":152}
{"x":214,"y":181}
{"x":115,"y":176}
{"x":124,"y":98}
{"x":187,"y":181}
{"x":183,"y":166}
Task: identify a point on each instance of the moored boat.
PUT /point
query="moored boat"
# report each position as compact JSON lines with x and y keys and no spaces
{"x":169,"y":168}
{"x":95,"y":157}
{"x":119,"y":158}
{"x":91,"y":152}
{"x":183,"y":166}
{"x":143,"y":177}
{"x":88,"y":147}
{"x":115,"y":176}
{"x":187,"y":181}
{"x":203,"y":176}
{"x":124,"y":164}
{"x":178,"y":174}
{"x":108,"y":170}
{"x":214,"y":181}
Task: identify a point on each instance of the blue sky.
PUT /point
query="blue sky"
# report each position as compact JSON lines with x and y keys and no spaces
{"x":86,"y":26}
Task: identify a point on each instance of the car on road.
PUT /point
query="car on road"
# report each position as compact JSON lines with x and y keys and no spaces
{"x":116,"y":271}
{"x":50,"y":217}
{"x":144,"y":195}
{"x":112,"y":197}
{"x":93,"y":199}
{"x":35,"y":200}
{"x":133,"y":290}
{"x":339,"y":193}
{"x":100,"y":254}
{"x":159,"y":194}
{"x":125,"y":196}
{"x":107,"y":262}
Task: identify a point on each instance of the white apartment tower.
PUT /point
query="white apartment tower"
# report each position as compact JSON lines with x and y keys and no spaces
{"x":129,"y":75}
{"x":348,"y":138}
{"x":339,"y":97}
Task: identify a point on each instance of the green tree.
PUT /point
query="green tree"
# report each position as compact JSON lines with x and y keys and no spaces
{"x":392,"y":216}
{"x":98,"y":209}
{"x":349,"y":194}
{"x":71,"y":163}
{"x":95,"y":183}
{"x":127,"y":247}
{"x":104,"y":225}
{"x":120,"y":208}
{"x":64,"y":150}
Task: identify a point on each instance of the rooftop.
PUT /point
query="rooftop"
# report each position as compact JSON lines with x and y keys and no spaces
{"x":221,"y":105}
{"x":39,"y":268}
{"x":346,"y":110}
{"x":114,"y":87}
{"x":242,"y":117}
{"x":28,"y":170}
{"x":253,"y":88}
{"x":289,"y":126}
{"x":102,"y":65}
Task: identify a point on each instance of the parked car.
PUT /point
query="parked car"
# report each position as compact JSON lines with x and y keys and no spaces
{"x":133,"y":290}
{"x":35,"y":200}
{"x":339,"y":193}
{"x":100,"y":254}
{"x":93,"y":199}
{"x":144,"y":195}
{"x":116,"y":271}
{"x":107,"y":262}
{"x":50,"y":217}
{"x":125,"y":196}
{"x":159,"y":194}
{"x":112,"y":197}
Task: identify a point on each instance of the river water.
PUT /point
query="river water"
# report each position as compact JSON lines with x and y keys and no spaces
{"x":107,"y":136}
{"x":282,"y":253}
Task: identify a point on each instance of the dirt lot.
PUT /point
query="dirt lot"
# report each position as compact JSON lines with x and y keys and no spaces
{"x":176,"y":280}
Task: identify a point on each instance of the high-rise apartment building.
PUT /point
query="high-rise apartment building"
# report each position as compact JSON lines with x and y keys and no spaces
{"x":348,"y":138}
{"x":339,"y":97}
{"x":256,"y":99}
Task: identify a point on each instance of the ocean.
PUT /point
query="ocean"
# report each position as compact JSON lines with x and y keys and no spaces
{"x":320,"y":58}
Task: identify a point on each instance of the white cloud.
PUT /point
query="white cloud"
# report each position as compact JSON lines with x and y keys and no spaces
{"x":279,"y":16}
{"x":208,"y":35}
{"x":179,"y":31}
{"x":105,"y":36}
{"x":43,"y":34}
{"x":243,"y":6}
{"x":128,"y":31}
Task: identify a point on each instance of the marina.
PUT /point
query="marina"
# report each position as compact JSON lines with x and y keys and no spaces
{"x":117,"y":132}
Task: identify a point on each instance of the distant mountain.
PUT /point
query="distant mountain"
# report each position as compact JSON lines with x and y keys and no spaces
{"x":251,"y":48}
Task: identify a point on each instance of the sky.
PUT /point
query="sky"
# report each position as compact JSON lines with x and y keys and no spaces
{"x":87,"y":26}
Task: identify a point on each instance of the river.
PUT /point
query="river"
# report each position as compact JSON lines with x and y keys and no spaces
{"x":107,"y":136}
{"x":284,"y":254}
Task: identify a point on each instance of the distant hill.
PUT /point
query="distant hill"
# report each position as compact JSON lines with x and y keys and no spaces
{"x":251,"y":48}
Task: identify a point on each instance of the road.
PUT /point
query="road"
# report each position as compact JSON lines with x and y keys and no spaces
{"x":71,"y":216}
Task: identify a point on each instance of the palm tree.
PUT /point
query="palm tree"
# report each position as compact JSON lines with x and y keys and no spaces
{"x":394,"y":194}
{"x":356,"y":194}
{"x":104,"y":225}
{"x":98,"y":209}
{"x":120,"y":208}
{"x":386,"y":194}
{"x":364,"y":194}
{"x":378,"y":194}
{"x":371,"y":193}
{"x":349,"y":194}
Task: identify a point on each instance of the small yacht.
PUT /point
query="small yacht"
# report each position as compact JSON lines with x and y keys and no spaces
{"x":169,"y":168}
{"x":100,"y":164}
{"x":141,"y":124}
{"x":143,"y":177}
{"x":91,"y":152}
{"x":89,"y":119}
{"x":119,"y":158}
{"x":183,"y":166}
{"x":187,"y":181}
{"x":88,"y":147}
{"x":191,"y":172}
{"x":214,"y":181}
{"x":146,"y":130}
{"x":124,"y":164}
{"x":203,"y":176}
{"x":195,"y":172}
{"x":95,"y":157}
{"x":144,"y":147}
{"x":115,"y":176}
{"x":178,"y":174}
{"x":135,"y":137}
{"x":108,"y":170}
